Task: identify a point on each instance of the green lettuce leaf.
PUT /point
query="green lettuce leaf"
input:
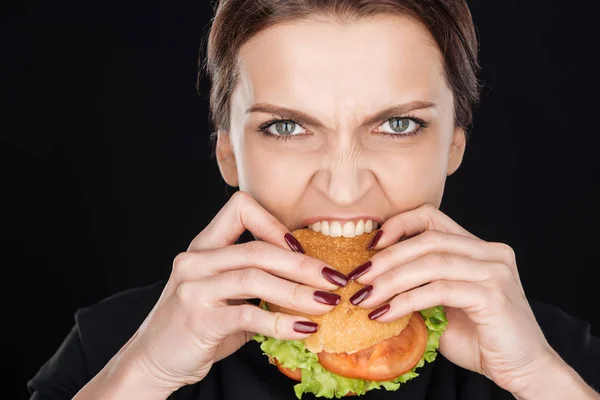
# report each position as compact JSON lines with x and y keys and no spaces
{"x":315,"y":379}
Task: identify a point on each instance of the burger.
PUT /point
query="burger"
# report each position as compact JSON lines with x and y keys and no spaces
{"x":351,"y":354}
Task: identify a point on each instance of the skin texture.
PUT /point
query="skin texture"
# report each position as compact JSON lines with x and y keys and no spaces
{"x":339,"y":75}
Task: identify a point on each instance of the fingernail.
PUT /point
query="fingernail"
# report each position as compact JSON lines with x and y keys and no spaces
{"x":379,"y":312}
{"x":328,"y":298}
{"x":293,"y":243}
{"x":359,"y":271}
{"x":305,"y":327}
{"x":375,"y":240}
{"x":361,"y":295}
{"x":335,"y":277}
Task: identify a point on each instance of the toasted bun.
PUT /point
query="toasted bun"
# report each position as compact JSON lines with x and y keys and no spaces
{"x":347,"y":328}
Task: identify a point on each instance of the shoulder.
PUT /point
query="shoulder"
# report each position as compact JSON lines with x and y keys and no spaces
{"x":122,"y":306}
{"x":107,"y":325}
{"x":558,"y":326}
{"x":99,"y":332}
{"x":571,"y":338}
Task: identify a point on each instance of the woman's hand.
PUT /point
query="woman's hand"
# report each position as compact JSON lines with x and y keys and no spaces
{"x":492,"y":329}
{"x":202,"y":316}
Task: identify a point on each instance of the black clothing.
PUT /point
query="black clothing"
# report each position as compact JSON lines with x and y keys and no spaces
{"x":101,"y":330}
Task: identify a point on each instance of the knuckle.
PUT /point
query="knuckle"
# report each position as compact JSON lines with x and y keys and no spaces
{"x":187,"y":266}
{"x":447,"y":259}
{"x":277,"y":324}
{"x":431,"y":238}
{"x":185,"y":293}
{"x":428,"y":208}
{"x":242,"y":201}
{"x":386,"y":255}
{"x":249,"y":277}
{"x":297,"y":293}
{"x":254,"y":248}
{"x":240,"y":197}
{"x":243,"y":316}
{"x":502,"y":272}
{"x":508,"y":254}
{"x":307,"y":264}
{"x":443,"y":259}
{"x":430,"y":212}
{"x":181,"y":260}
{"x":443,"y":288}
{"x":406,"y":297}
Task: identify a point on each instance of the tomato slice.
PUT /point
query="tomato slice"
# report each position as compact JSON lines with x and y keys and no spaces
{"x":295,"y":374}
{"x":384,"y":361}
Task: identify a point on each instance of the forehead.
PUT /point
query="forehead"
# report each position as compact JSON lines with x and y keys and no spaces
{"x":379,"y":59}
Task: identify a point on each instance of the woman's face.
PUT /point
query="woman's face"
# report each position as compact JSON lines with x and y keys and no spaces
{"x":338,"y":154}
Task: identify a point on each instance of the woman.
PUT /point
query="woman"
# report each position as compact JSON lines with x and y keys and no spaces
{"x":330,"y":111}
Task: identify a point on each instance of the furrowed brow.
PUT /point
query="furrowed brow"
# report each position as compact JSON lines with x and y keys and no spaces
{"x":390,"y":112}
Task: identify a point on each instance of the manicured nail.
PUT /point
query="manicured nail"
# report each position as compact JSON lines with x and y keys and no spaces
{"x":375,"y":240}
{"x":328,"y":298}
{"x":305,"y":327}
{"x":361,"y":295}
{"x":293,"y":243}
{"x":359,"y":271}
{"x":379,"y":312}
{"x":335,"y":277}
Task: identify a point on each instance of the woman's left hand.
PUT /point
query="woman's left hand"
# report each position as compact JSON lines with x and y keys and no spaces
{"x":491,"y":327}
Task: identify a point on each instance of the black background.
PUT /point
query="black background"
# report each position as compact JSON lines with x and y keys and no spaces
{"x":107,"y":171}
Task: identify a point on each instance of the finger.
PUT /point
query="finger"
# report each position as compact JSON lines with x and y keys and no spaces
{"x":470,"y":297}
{"x":249,"y":318}
{"x":434,"y":241}
{"x":253,"y":283}
{"x":240,"y":213}
{"x":233,"y":342}
{"x":413,"y":222}
{"x":275,"y":260}
{"x":433,"y":267}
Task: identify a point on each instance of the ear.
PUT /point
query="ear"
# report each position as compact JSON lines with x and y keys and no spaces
{"x":226,"y":159}
{"x":457,"y":150}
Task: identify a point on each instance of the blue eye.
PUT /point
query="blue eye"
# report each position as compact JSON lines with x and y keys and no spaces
{"x":281,"y":128}
{"x":396,"y":127}
{"x":402,"y":126}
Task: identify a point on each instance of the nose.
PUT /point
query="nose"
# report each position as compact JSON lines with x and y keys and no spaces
{"x":344,"y":178}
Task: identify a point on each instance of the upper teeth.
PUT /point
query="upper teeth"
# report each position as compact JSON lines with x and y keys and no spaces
{"x":346,"y":229}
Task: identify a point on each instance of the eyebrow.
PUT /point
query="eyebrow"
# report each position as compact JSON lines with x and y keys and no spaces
{"x":390,"y":112}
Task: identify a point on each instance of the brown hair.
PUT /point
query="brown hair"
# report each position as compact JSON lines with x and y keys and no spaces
{"x":236,"y":21}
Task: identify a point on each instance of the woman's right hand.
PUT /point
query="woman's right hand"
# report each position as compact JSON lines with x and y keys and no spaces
{"x":202,"y":315}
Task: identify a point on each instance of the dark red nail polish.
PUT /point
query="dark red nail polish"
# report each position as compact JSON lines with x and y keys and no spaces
{"x":375,"y":240}
{"x":293,"y":243}
{"x":361,"y":295}
{"x":333,"y":276}
{"x":305,"y":327}
{"x":359,"y":271}
{"x":328,"y":298}
{"x":379,"y":312}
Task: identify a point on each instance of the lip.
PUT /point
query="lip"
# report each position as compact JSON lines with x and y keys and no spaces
{"x":312,"y":220}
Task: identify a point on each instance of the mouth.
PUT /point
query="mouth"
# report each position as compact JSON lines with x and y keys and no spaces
{"x":344,"y":227}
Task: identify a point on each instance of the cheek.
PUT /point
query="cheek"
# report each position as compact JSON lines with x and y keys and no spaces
{"x":275,"y":179}
{"x":412,"y":178}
